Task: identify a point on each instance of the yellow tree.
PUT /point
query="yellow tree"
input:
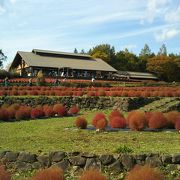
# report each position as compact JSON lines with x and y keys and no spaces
{"x":165,"y":67}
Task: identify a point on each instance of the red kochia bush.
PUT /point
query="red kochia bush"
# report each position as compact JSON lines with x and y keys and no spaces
{"x":117,"y":122}
{"x":137,"y":121}
{"x":4,"y":175}
{"x":115,"y":113}
{"x":59,"y":109}
{"x":81,"y":123}
{"x":92,"y":174}
{"x":144,"y":173}
{"x":73,"y":110}
{"x":11,"y":112}
{"x":49,"y":174}
{"x":177,"y":124}
{"x":37,"y":113}
{"x":48,"y":111}
{"x":97,"y":117}
{"x":101,"y":124}
{"x":4,"y":114}
{"x":157,"y":120}
{"x":171,"y":118}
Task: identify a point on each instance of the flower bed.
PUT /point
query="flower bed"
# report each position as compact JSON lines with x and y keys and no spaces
{"x":135,"y":120}
{"x":91,"y":91}
{"x":16,"y":112}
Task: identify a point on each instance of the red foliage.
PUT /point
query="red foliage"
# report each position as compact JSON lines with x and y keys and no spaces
{"x":23,"y":113}
{"x":144,"y":173}
{"x":92,"y":174}
{"x":177,"y":124}
{"x":11,"y":112}
{"x":157,"y":120}
{"x":4,"y":114}
{"x":101,"y":124}
{"x":137,"y":121}
{"x":37,"y":113}
{"x":49,"y":174}
{"x":73,"y":110}
{"x":171,"y":118}
{"x":117,"y":122}
{"x":129,"y":116}
{"x":91,"y":93}
{"x":101,"y":93}
{"x":15,"y":106}
{"x":48,"y":111}
{"x":115,"y":113}
{"x":97,"y":117}
{"x":81,"y":123}
{"x":59,"y":109}
{"x":4,"y":175}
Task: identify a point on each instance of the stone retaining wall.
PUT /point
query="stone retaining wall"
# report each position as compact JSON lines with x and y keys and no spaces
{"x":25,"y":161}
{"x":122,"y":103}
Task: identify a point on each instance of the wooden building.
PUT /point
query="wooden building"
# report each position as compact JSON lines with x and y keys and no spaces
{"x":53,"y":63}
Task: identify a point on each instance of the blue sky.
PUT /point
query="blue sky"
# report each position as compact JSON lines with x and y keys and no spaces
{"x":65,"y":24}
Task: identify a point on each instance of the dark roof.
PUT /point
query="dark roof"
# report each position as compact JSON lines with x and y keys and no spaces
{"x":54,"y":59}
{"x":139,"y":75}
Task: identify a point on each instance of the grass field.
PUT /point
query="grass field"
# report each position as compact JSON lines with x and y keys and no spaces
{"x":60,"y":134}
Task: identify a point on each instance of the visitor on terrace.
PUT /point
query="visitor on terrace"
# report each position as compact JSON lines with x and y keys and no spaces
{"x":30,"y":82}
{"x":56,"y":82}
{"x":6,"y":81}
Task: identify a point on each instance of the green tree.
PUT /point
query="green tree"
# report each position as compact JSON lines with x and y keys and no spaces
{"x":103,"y":51}
{"x":144,"y":55}
{"x":162,"y":50}
{"x":125,"y":61}
{"x":2,"y":58}
{"x":82,"y":51}
{"x":75,"y":51}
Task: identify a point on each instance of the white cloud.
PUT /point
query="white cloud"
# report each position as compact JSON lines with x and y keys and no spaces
{"x":154,"y":9}
{"x":2,"y":10}
{"x":166,"y":34}
{"x":173,"y":15}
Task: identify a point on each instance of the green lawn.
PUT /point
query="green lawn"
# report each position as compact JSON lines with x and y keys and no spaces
{"x":60,"y":134}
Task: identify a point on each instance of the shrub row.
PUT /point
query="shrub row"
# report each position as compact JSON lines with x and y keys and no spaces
{"x":135,"y":120}
{"x":91,"y":91}
{"x":137,"y":173}
{"x":20,"y":112}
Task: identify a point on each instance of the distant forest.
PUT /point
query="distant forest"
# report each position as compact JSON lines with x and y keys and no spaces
{"x":163,"y":65}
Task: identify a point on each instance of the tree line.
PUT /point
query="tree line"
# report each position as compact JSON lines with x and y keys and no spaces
{"x":165,"y":66}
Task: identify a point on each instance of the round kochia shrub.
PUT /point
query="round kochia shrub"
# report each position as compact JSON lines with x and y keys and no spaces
{"x":49,"y":174}
{"x":4,"y":114}
{"x":115,"y":113}
{"x":73,"y":110}
{"x":117,"y":122}
{"x":48,"y":111}
{"x":98,"y":116}
{"x":177,"y":124}
{"x":37,"y":113}
{"x":59,"y":109}
{"x":101,"y":124}
{"x":137,"y":121}
{"x":4,"y":175}
{"x":171,"y":118}
{"x":92,"y":174}
{"x":144,"y":173}
{"x":157,"y":120}
{"x":81,"y":123}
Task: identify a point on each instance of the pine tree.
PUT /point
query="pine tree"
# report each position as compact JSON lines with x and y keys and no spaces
{"x":163,"y":50}
{"x":75,"y":51}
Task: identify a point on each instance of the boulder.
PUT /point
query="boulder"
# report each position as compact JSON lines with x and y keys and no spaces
{"x":106,"y":159}
{"x":27,"y":157}
{"x":57,"y":156}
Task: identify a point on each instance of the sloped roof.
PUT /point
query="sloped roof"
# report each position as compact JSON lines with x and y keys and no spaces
{"x":70,"y":60}
{"x":139,"y":75}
